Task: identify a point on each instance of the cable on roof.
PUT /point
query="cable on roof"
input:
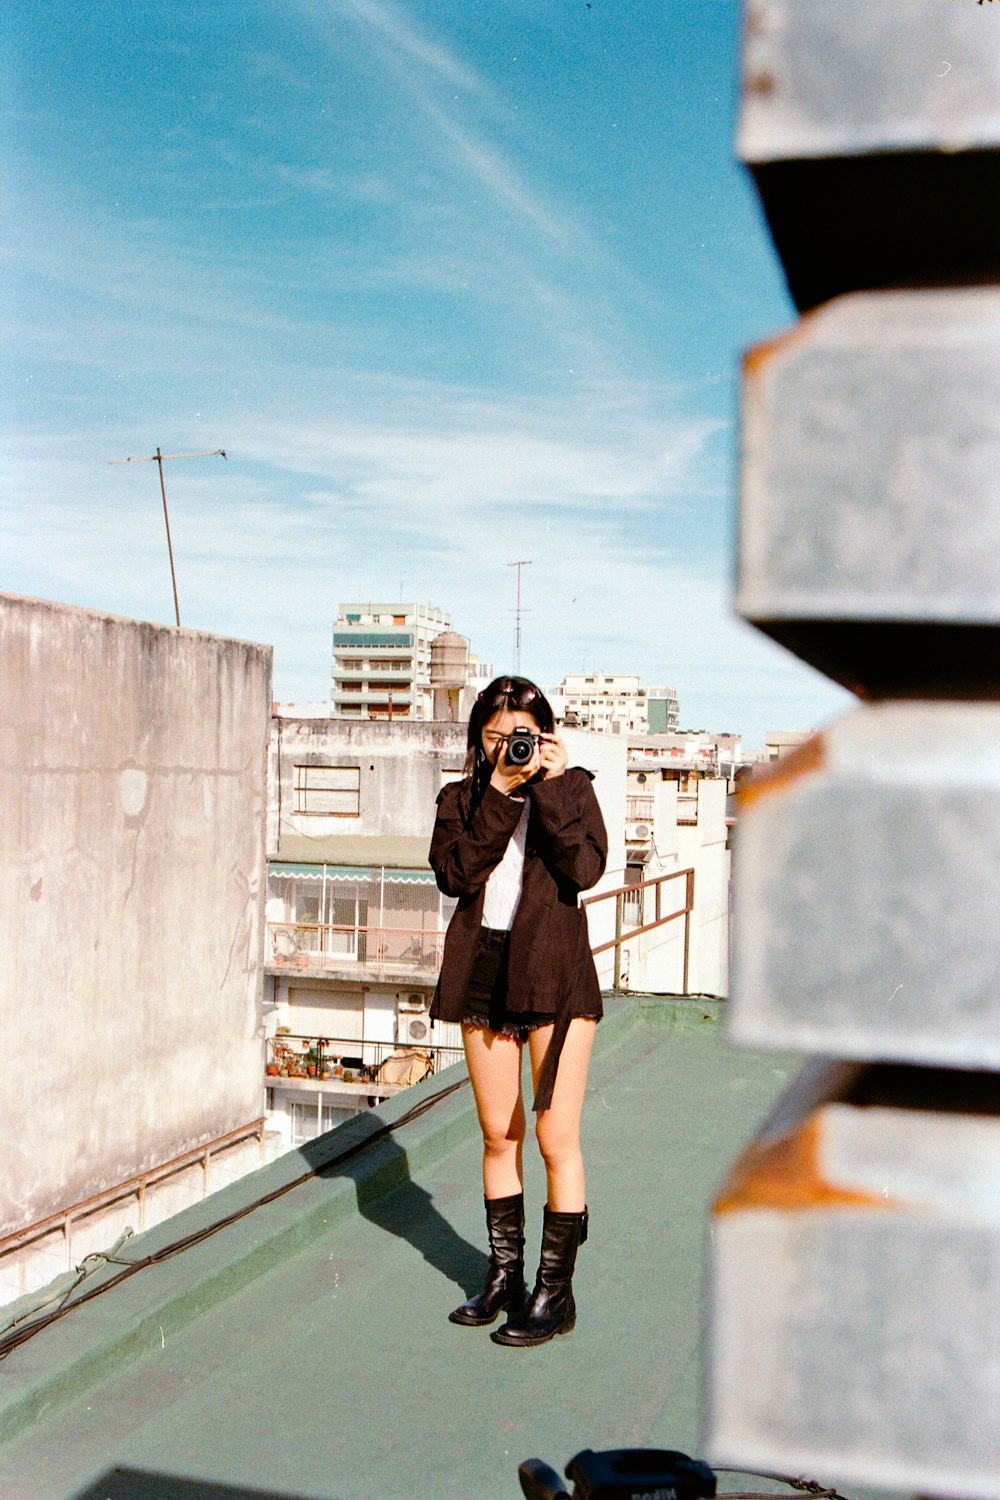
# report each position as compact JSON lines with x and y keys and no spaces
{"x":17,"y":1332}
{"x":806,"y":1486}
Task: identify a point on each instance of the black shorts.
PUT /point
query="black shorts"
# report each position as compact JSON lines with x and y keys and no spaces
{"x":485,"y":1005}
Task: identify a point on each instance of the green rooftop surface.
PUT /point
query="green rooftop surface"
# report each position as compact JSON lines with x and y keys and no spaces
{"x":303,"y":1350}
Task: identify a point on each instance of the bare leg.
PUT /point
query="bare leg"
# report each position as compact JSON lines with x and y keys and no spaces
{"x":558,"y":1128}
{"x":495,"y":1070}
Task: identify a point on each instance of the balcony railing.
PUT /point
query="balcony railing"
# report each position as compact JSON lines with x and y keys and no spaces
{"x":350,"y":1061}
{"x":632,"y":911}
{"x":401,"y":950}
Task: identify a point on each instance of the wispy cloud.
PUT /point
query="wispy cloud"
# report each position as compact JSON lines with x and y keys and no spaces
{"x":428,"y":56}
{"x":475,"y":125}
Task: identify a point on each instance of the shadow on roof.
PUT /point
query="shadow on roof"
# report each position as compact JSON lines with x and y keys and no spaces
{"x":141,"y":1484}
{"x":407,"y":1212}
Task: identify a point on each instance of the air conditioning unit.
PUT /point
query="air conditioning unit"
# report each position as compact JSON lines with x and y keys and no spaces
{"x":413,"y":1002}
{"x":413,"y":1029}
{"x":639,"y":832}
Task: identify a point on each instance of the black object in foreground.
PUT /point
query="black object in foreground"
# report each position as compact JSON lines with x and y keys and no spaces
{"x":621,"y":1474}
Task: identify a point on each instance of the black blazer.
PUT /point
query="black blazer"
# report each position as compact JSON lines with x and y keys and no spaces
{"x":551,"y":967}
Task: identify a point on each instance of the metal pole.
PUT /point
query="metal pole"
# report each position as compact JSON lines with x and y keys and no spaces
{"x":170,"y":549}
{"x":524,"y":563}
{"x":688,"y":909}
{"x":158,"y":459}
{"x":619,"y":909}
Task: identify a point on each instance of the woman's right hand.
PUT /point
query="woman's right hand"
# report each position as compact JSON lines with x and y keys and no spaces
{"x":507,"y":778}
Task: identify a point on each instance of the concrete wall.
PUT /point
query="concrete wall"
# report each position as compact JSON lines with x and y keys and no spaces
{"x":401,"y":769}
{"x":131,"y":896}
{"x":656,"y":960}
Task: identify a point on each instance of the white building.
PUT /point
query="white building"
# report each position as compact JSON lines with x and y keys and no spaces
{"x":382,"y":660}
{"x":691,"y":750}
{"x":676,"y":821}
{"x":615,"y":703}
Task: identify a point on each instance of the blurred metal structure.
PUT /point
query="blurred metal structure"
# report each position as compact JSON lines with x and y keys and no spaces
{"x":872,"y":129}
{"x":880,"y":839}
{"x":870,"y":529}
{"x":857,"y":1256}
{"x":855,"y":1326}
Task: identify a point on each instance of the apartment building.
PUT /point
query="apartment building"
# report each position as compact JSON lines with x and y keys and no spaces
{"x":382,"y":660}
{"x":615,"y":703}
{"x":354,"y":919}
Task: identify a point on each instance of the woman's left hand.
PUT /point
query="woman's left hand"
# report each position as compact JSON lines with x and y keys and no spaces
{"x":552,"y":756}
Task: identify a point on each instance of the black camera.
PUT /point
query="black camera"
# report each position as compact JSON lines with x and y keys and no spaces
{"x":521,"y":746}
{"x":621,"y":1474}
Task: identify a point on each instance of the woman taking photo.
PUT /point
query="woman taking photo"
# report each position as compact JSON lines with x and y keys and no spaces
{"x":516,"y":841}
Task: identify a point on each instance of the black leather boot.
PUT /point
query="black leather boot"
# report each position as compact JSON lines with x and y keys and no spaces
{"x":551,"y":1309}
{"x":505,"y":1286}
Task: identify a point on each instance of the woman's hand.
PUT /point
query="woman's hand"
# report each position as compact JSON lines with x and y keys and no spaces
{"x":507,"y":778}
{"x":552,"y":757}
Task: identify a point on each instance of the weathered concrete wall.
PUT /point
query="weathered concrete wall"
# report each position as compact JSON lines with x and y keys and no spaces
{"x":656,"y":960}
{"x":401,"y":768}
{"x":131,"y":897}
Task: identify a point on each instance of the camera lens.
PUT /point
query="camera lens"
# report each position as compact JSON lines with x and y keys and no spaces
{"x":520,"y":748}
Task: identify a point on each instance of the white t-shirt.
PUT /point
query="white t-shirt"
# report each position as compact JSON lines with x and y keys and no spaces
{"x":503,"y":889}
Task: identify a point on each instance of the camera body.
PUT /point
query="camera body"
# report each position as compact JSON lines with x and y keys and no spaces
{"x":621,"y":1474}
{"x":521,"y":747}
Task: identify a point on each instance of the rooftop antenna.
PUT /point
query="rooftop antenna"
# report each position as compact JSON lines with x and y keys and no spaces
{"x":158,"y":458}
{"x":525,"y":562}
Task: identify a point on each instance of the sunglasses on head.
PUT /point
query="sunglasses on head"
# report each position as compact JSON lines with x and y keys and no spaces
{"x":513,"y":694}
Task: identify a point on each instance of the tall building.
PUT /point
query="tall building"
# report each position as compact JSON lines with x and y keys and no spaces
{"x":382,"y":660}
{"x":663,"y":709}
{"x":616,"y":703}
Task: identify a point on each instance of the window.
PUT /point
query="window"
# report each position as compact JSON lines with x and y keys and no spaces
{"x":632,"y":902}
{"x":328,"y":791}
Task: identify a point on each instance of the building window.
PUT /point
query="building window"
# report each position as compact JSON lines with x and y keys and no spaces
{"x":328,"y":791}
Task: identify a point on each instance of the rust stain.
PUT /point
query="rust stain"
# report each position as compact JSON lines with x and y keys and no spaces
{"x":785,"y":1174}
{"x":756,"y":358}
{"x":804,"y":760}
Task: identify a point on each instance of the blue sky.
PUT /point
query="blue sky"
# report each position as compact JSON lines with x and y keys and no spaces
{"x":452,"y":283}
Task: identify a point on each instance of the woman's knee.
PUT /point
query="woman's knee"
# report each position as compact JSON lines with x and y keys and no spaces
{"x":558,"y":1141}
{"x":501,"y":1136}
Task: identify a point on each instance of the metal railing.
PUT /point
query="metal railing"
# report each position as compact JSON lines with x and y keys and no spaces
{"x":348,"y":1059}
{"x":630,"y":907}
{"x":133,"y":1188}
{"x":418,"y":952}
{"x":407,"y":950}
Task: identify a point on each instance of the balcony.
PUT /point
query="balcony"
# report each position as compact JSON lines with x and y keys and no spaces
{"x":401,"y":693}
{"x":397,"y":952}
{"x":350,"y":1066}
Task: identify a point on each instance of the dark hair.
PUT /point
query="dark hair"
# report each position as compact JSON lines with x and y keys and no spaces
{"x":516,"y":693}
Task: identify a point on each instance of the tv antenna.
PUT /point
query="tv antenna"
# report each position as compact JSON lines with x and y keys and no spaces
{"x":525,"y":562}
{"x":159,"y":459}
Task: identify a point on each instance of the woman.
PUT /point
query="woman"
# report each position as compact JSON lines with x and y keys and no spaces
{"x":516,"y":841}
